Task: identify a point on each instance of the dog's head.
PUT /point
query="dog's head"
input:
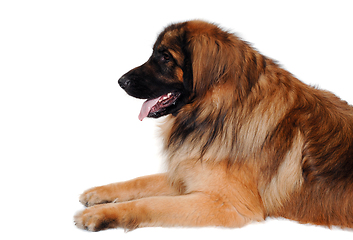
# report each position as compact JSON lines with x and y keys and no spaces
{"x":161,"y":80}
{"x":187,"y":60}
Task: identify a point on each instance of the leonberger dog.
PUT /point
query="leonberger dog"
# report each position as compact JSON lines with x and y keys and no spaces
{"x":243,"y":140}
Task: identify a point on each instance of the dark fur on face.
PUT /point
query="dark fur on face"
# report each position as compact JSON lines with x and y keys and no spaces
{"x":165,"y":72}
{"x":244,"y":140}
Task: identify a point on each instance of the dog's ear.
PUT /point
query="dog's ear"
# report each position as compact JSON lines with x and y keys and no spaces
{"x":217,"y":56}
{"x":211,"y":60}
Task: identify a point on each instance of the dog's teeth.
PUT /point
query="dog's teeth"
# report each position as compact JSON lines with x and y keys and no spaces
{"x":165,"y":97}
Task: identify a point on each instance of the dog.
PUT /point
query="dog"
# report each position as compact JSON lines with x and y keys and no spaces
{"x":243,"y":138}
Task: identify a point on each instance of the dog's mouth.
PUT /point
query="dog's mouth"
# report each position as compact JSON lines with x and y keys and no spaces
{"x":157,"y":107}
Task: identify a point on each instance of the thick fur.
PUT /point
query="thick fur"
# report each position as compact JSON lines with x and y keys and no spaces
{"x":246,"y":140}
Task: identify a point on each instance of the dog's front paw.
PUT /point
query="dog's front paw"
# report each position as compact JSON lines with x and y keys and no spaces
{"x":97,"y":195}
{"x":96,"y":218}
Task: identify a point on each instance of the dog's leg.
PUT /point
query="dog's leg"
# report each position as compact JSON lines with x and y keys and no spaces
{"x":153,"y":185}
{"x":194,"y":210}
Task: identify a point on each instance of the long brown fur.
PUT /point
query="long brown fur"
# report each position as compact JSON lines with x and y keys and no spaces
{"x":252,"y":142}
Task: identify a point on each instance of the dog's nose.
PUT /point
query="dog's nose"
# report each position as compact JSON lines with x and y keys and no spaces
{"x":124,"y":82}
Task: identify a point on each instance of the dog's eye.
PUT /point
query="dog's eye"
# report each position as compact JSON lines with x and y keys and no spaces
{"x":165,"y":57}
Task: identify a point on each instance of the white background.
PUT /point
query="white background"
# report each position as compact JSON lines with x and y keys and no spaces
{"x":67,"y":126}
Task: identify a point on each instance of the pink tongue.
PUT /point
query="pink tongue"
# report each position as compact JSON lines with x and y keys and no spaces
{"x":146,"y":108}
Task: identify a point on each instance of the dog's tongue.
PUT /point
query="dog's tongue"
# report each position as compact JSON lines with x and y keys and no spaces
{"x":146,"y":108}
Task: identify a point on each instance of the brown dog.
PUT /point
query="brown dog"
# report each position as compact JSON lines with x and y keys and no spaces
{"x":244,"y":140}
